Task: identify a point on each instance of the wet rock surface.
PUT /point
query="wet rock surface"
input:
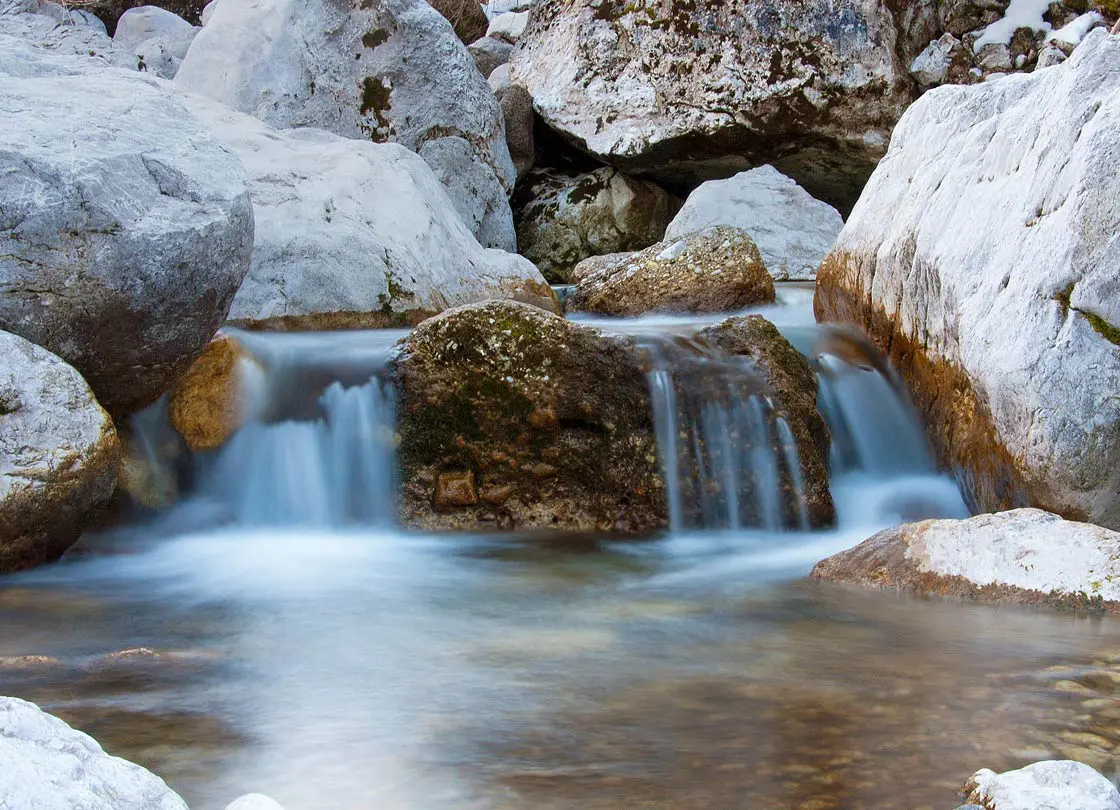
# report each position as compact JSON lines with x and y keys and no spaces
{"x":513,"y":418}
{"x":1062,"y":783}
{"x":209,"y":403}
{"x":58,"y":455}
{"x":715,"y":270}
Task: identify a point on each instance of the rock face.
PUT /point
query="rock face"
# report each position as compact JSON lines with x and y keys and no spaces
{"x":384,"y":71}
{"x":984,"y":259}
{"x":517,"y":110}
{"x":513,"y":418}
{"x":1054,"y":783}
{"x":715,"y":270}
{"x":793,"y":231}
{"x":563,"y":218}
{"x":50,"y":766}
{"x":792,"y":385}
{"x":688,"y":92}
{"x":466,"y":17}
{"x":1022,"y":556}
{"x":158,"y":38}
{"x":125,"y":226}
{"x":34,"y":32}
{"x":354,"y":234}
{"x":58,"y":456}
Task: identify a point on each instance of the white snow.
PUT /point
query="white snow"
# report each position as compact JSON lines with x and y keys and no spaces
{"x":1020,"y":14}
{"x":1075,"y":31}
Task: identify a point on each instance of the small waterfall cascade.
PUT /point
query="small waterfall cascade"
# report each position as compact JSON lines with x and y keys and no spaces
{"x":729,"y":458}
{"x":319,"y":448}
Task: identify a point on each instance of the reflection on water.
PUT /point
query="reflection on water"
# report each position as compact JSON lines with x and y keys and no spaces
{"x":338,"y":670}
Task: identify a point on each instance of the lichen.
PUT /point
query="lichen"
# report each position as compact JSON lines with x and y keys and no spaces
{"x":1100,"y":325}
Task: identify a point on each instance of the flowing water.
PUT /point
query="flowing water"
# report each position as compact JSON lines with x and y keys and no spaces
{"x":275,"y":633}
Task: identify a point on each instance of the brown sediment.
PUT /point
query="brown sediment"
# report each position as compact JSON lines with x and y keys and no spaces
{"x":957,"y":418}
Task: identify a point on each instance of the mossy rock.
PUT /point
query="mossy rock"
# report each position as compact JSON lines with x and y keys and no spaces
{"x":549,"y":422}
{"x":715,"y":270}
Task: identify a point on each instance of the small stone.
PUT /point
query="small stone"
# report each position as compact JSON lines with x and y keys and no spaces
{"x":455,"y":489}
{"x":495,"y":495}
{"x":541,"y":470}
{"x":544,"y":419}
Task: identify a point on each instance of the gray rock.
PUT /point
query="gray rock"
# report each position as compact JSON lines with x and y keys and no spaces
{"x":58,"y":459}
{"x":385,"y":71}
{"x":125,"y":226}
{"x":32,"y":38}
{"x":158,"y":38}
{"x":517,"y":107}
{"x":490,"y":53}
{"x":50,"y":766}
{"x":509,"y":26}
{"x":1050,"y":56}
{"x":793,"y":231}
{"x":563,"y":218}
{"x":931,"y":67}
{"x":1053,"y":783}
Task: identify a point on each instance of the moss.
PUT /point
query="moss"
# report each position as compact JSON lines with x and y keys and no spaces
{"x":371,"y":39}
{"x":376,"y":100}
{"x":1100,"y":325}
{"x":1109,"y":8}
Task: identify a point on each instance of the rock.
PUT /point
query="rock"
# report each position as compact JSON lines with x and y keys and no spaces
{"x":993,"y":287}
{"x":159,"y":39}
{"x":489,"y":54}
{"x":50,"y":766}
{"x":564,"y":218}
{"x":31,"y":37}
{"x":1023,"y":556}
{"x":211,"y":402}
{"x":58,"y":456}
{"x":517,"y":109}
{"x":496,"y":7}
{"x":995,"y":57}
{"x":353,"y":234}
{"x":509,"y":26}
{"x":551,"y":421}
{"x":208,"y":11}
{"x":793,"y":231}
{"x":1050,"y":56}
{"x":792,"y":386}
{"x":715,"y":270}
{"x":466,"y":17}
{"x":110,"y":11}
{"x":381,"y":71}
{"x":594,"y":264}
{"x":120,"y":250}
{"x":257,"y":801}
{"x":1054,"y":783}
{"x":686,"y":92}
{"x":931,"y":67}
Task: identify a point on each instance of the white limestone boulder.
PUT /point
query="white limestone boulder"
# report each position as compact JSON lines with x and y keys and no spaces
{"x":34,"y":27}
{"x":382,"y":71}
{"x":125,"y":226}
{"x":1021,"y":556}
{"x":793,"y":231}
{"x":564,"y":218}
{"x":47,"y":765}
{"x":159,"y":39}
{"x":1050,"y":784}
{"x":984,"y":256}
{"x":509,"y":26}
{"x":58,"y":457}
{"x":355,"y":234}
{"x":687,"y":92}
{"x":255,"y":801}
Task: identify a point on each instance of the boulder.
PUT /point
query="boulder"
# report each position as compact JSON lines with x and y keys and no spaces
{"x":50,"y":766}
{"x":125,"y":226}
{"x":110,"y":11}
{"x":58,"y":457}
{"x":466,"y":17}
{"x":158,"y":38}
{"x":1053,"y":783}
{"x":509,"y":26}
{"x":510,"y":417}
{"x":258,"y":801}
{"x":715,"y":270}
{"x":211,"y":402}
{"x":1024,"y":556}
{"x":353,"y":234}
{"x":984,"y":259}
{"x":687,"y":92}
{"x":31,"y":35}
{"x":381,"y":71}
{"x":791,"y":384}
{"x":793,"y":231}
{"x":517,"y":109}
{"x":564,"y":218}
{"x":489,"y":54}
{"x":594,"y":264}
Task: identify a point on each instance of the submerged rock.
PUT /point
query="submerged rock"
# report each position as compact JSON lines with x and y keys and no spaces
{"x":793,"y":231}
{"x":715,"y":270}
{"x":50,"y":766}
{"x":564,"y":218}
{"x":121,"y":249}
{"x":58,"y":457}
{"x":381,"y":71}
{"x":792,"y":386}
{"x":1054,"y":783}
{"x":983,"y":257}
{"x":1023,"y":556}
{"x":352,"y":234}
{"x":510,"y":417}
